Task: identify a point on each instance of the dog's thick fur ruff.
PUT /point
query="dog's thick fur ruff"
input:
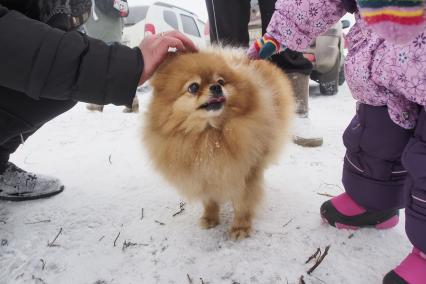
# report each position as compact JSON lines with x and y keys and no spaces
{"x":220,"y":155}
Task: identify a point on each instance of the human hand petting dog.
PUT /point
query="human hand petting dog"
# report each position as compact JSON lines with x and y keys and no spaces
{"x":155,"y":48}
{"x":264,"y":47}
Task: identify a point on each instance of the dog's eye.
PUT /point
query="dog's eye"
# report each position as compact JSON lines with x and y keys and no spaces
{"x":193,"y":88}
{"x":221,"y":82}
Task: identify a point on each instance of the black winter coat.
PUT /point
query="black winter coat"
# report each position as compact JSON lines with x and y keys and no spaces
{"x":45,"y":62}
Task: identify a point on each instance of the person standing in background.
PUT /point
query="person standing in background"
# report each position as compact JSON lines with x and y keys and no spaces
{"x":106,"y":24}
{"x":229,"y":22}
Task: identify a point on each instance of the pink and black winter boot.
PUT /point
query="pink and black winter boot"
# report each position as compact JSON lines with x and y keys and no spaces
{"x":412,"y":270}
{"x":343,"y":212}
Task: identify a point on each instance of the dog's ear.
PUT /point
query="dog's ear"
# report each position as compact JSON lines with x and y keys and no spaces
{"x":174,"y":54}
{"x":170,"y":56}
{"x":157,"y":79}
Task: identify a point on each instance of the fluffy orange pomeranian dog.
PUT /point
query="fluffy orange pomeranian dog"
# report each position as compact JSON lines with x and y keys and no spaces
{"x":216,"y":121}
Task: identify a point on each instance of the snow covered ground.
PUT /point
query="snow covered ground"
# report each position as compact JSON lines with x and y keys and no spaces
{"x":109,"y":181}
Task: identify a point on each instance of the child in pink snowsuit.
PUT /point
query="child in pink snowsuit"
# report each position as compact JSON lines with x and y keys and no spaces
{"x":385,"y":162}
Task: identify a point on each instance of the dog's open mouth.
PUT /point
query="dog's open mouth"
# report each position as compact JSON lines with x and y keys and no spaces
{"x":213,"y":104}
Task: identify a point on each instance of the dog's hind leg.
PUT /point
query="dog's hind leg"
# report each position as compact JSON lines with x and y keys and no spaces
{"x":245,"y":204}
{"x":210,"y":217}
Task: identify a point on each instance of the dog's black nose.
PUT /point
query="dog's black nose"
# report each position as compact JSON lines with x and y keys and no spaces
{"x":216,"y":90}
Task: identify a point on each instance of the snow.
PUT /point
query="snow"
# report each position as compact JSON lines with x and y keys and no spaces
{"x":306,"y":128}
{"x":109,"y":179}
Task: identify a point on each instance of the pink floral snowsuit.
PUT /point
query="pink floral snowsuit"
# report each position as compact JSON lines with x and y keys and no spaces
{"x":377,"y":72}
{"x":385,"y":161}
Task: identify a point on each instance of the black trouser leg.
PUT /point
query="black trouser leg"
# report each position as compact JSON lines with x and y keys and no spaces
{"x":267,"y":8}
{"x":229,"y":21}
{"x":10,"y":147}
{"x":22,"y":115}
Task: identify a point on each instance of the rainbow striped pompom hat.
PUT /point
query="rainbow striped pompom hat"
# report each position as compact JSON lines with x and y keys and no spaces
{"x":396,"y":20}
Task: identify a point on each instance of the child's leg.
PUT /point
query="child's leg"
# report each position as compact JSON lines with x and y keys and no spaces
{"x":413,"y":269}
{"x":414,"y":160}
{"x":373,"y":175}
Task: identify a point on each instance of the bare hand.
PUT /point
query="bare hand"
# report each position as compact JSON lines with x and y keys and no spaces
{"x":154,"y":50}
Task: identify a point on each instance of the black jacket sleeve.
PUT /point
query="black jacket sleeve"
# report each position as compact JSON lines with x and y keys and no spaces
{"x":45,"y":62}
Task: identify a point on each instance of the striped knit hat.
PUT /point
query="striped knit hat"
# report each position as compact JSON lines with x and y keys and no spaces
{"x":396,"y":20}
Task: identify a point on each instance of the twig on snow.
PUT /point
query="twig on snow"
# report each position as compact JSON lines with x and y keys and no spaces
{"x":314,"y":256}
{"x":141,"y":213}
{"x":127,"y":244}
{"x":181,"y":209}
{"x":326,"y":194}
{"x":116,"y":238}
{"x":37,"y":222}
{"x":38,"y":279}
{"x":101,"y":238}
{"x":160,"y":223}
{"x":189,"y":279}
{"x":285,"y":225}
{"x":43,"y":263}
{"x":19,"y":276}
{"x":52,"y":243}
{"x":301,"y":280}
{"x":319,"y":260}
{"x":109,"y":159}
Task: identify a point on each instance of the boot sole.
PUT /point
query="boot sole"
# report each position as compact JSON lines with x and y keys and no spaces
{"x":379,"y":220}
{"x":308,"y":142}
{"x":388,"y":224}
{"x":26,"y":197}
{"x":393,"y":278}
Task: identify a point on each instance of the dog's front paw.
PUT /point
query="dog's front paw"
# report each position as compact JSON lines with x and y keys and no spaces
{"x":208,"y":223}
{"x":239,"y":233}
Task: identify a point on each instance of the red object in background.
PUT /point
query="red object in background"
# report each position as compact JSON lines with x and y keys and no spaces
{"x":310,"y":57}
{"x":207,"y":29}
{"x":345,"y":44}
{"x":150,"y":28}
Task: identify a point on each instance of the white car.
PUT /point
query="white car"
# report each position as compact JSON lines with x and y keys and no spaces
{"x":161,"y":17}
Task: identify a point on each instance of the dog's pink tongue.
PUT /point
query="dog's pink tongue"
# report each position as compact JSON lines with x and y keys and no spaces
{"x":217,"y":100}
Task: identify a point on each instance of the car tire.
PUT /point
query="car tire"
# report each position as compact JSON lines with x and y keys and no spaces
{"x":342,"y":76}
{"x":329,"y":88}
{"x":329,"y":82}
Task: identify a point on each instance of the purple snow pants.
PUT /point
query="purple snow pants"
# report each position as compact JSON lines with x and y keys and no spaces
{"x":385,"y":167}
